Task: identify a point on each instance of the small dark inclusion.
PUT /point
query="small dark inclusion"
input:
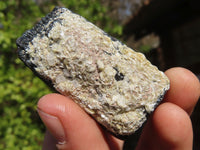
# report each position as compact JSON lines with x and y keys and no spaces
{"x":119,"y":76}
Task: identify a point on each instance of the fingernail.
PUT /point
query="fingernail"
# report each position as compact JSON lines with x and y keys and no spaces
{"x":54,"y":126}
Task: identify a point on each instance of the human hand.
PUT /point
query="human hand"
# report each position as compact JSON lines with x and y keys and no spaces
{"x":169,"y":127}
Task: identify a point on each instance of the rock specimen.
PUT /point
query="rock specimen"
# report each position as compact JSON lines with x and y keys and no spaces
{"x":111,"y":82}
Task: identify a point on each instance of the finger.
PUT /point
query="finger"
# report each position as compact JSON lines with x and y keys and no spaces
{"x":49,"y":142}
{"x":173,"y":126}
{"x":169,"y":128}
{"x":161,"y":128}
{"x":184,"y":88}
{"x":71,"y":126}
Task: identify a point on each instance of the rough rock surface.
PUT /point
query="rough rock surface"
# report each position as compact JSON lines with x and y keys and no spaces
{"x":113,"y":83}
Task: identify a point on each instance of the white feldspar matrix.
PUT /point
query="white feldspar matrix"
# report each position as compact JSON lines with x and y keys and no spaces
{"x":110,"y":81}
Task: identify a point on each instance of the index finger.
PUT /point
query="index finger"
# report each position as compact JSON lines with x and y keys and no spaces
{"x":184,"y":88}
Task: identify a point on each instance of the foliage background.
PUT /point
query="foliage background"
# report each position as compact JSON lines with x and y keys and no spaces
{"x":20,"y":126}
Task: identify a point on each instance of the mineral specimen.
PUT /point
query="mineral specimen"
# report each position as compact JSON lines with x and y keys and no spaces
{"x":111,"y":82}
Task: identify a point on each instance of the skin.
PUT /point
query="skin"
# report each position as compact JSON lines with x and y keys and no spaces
{"x":168,"y":128}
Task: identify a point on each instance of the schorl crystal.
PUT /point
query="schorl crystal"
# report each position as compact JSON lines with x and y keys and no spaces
{"x":111,"y":82}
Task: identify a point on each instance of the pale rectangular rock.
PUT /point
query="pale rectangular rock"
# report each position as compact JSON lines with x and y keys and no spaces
{"x":111,"y":82}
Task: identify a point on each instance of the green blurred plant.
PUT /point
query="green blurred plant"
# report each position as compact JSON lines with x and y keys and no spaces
{"x":20,"y":126}
{"x":145,"y":48}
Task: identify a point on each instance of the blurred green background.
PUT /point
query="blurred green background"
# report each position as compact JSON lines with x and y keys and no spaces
{"x":20,"y":126}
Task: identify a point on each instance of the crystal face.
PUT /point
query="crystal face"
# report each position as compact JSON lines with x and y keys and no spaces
{"x":110,"y":81}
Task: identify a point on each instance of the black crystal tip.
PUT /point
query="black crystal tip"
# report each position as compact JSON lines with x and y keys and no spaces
{"x":40,"y":29}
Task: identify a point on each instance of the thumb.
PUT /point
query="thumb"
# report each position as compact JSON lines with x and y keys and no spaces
{"x":71,"y":126}
{"x":55,"y":135}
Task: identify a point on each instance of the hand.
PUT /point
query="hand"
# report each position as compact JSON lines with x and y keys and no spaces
{"x":169,"y":127}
